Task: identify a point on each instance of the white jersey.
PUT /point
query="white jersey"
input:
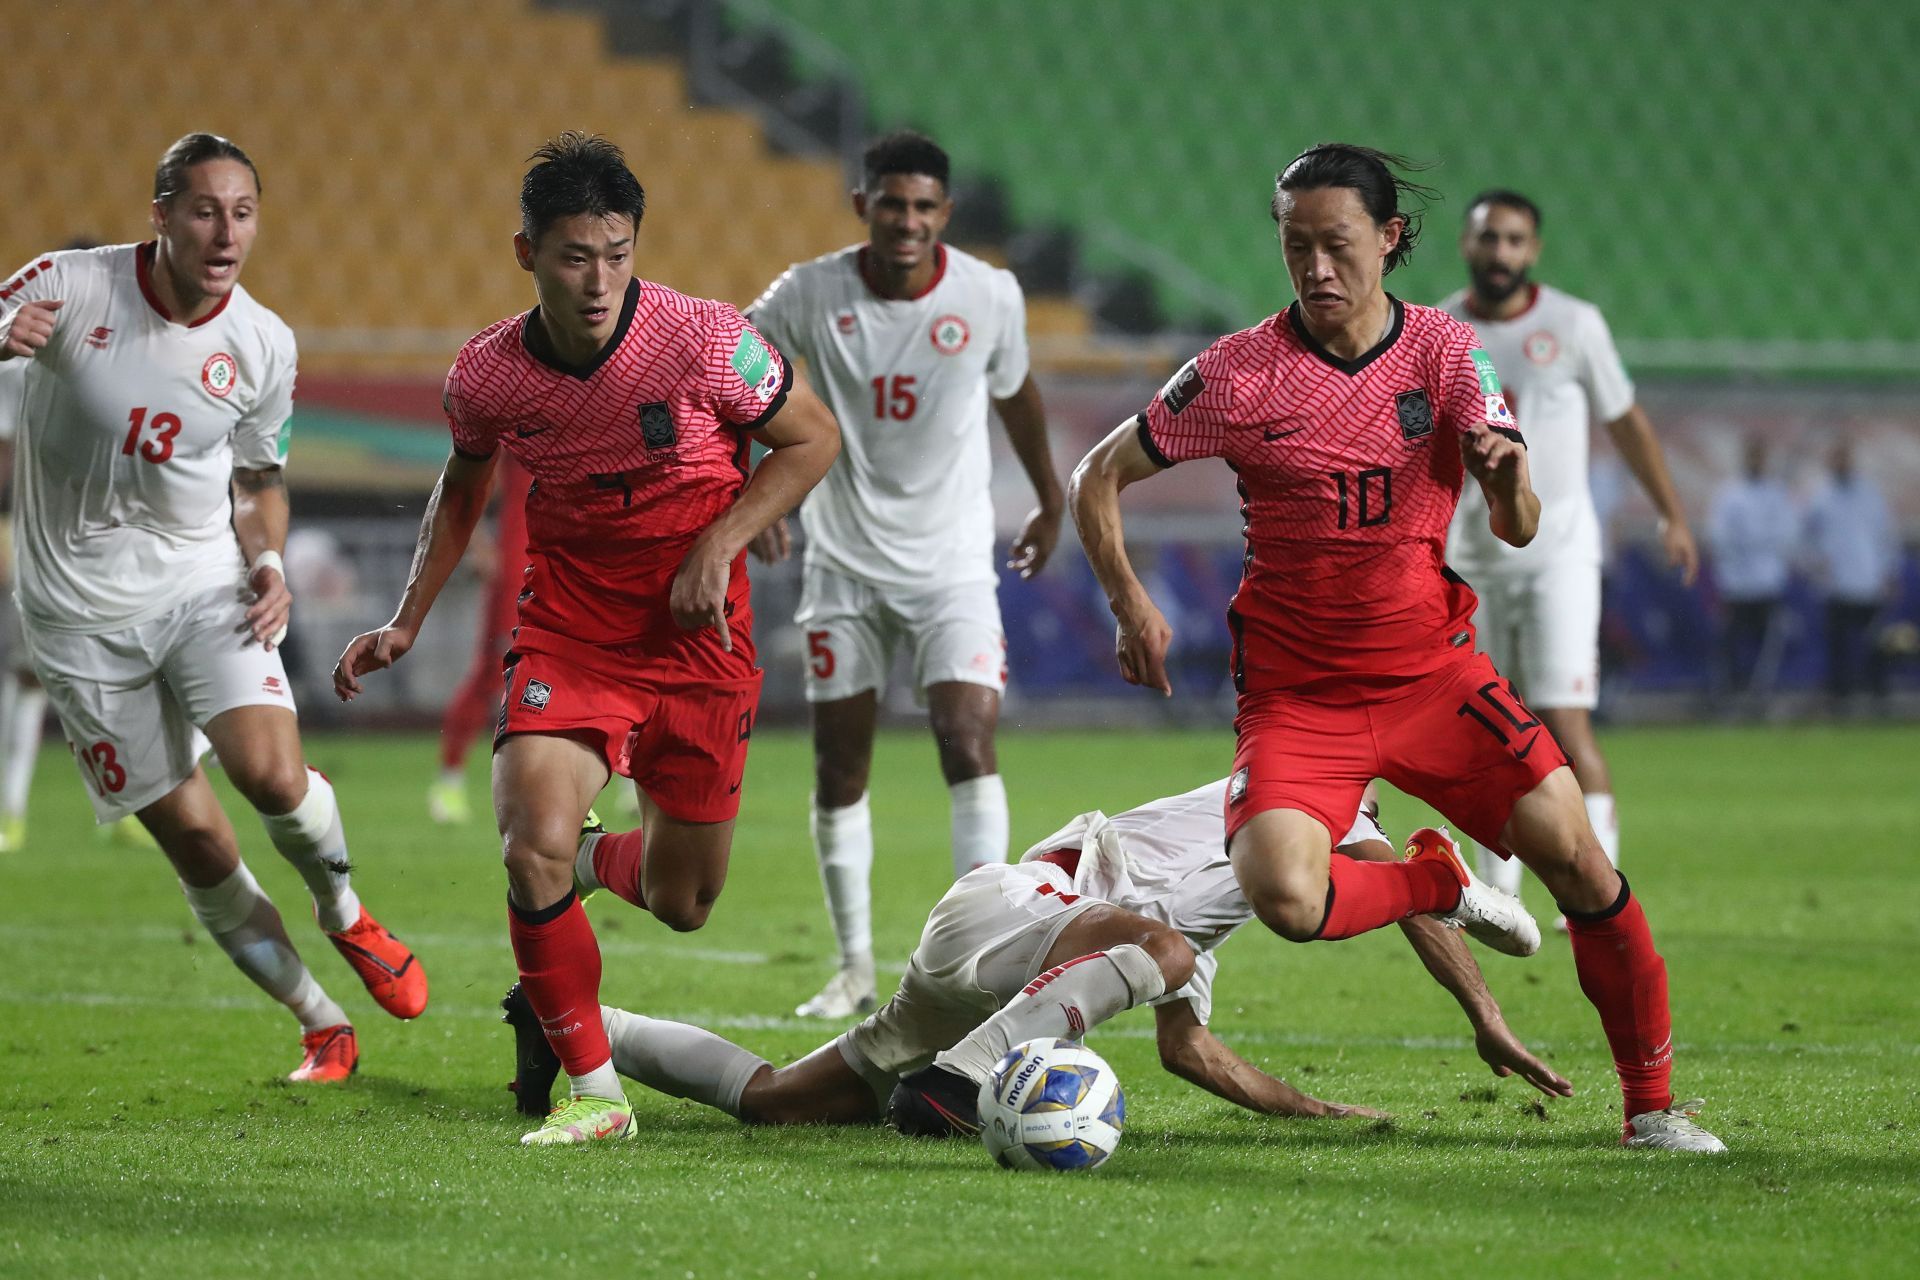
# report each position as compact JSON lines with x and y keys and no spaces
{"x":128,"y":438}
{"x":908,"y":502}
{"x":1561,"y":373}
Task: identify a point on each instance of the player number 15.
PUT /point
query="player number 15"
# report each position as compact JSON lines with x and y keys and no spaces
{"x":894,"y":398}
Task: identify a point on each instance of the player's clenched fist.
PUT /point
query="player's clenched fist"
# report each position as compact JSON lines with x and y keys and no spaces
{"x":1487,"y":453}
{"x":370,"y":651}
{"x":699,"y":597}
{"x":29,"y":329}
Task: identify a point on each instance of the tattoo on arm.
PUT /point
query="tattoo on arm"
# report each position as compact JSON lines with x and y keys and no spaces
{"x":259,"y":481}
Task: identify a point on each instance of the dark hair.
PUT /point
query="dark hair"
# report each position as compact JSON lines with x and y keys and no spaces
{"x":578,"y":173}
{"x":904,"y":151}
{"x":1506,"y":199}
{"x":170,"y":176}
{"x":1371,"y":175}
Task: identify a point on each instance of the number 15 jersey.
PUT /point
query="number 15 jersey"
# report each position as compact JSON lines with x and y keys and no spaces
{"x":1349,"y":474}
{"x":130,"y":430}
{"x":908,"y":503}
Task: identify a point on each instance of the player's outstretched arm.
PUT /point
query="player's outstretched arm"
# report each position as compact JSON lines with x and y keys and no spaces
{"x":802,"y":441}
{"x":1142,"y":635}
{"x":1633,"y":436}
{"x":1445,"y":954}
{"x":260,"y":514}
{"x":1498,"y":461}
{"x":25,"y":329}
{"x":459,"y":498}
{"x":1196,"y":1055}
{"x":1025,"y":419}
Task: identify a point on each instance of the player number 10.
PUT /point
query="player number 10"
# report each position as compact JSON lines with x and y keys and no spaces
{"x":894,"y":398}
{"x":1370,"y":490}
{"x":165,"y":427}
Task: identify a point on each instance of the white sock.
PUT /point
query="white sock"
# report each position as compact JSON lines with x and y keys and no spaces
{"x":313,"y":840}
{"x":242,"y":919}
{"x":1066,"y":1001}
{"x":22,"y":710}
{"x":979,"y":822}
{"x":843,"y":843}
{"x":1606,"y":824}
{"x":1501,"y":873}
{"x":584,"y":881}
{"x":601,"y":1082}
{"x":680,"y":1060}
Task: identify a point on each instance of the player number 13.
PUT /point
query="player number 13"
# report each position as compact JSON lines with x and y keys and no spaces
{"x":159,"y":447}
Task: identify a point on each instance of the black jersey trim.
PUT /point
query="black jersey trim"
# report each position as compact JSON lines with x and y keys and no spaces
{"x":779,"y":397}
{"x":533,"y":338}
{"x":1349,"y":367}
{"x":1146,"y":442}
{"x":1510,"y":433}
{"x":470,"y":456}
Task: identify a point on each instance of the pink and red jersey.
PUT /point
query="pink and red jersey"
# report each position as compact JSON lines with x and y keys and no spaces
{"x":1349,"y":473}
{"x":632,"y":456}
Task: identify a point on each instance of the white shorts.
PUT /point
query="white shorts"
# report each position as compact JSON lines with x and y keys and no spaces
{"x":133,"y":702}
{"x":854,"y":627}
{"x":984,"y":942}
{"x":1542,"y":630}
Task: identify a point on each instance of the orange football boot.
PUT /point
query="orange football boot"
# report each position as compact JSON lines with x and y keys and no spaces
{"x":332,"y":1054}
{"x":393,"y":975}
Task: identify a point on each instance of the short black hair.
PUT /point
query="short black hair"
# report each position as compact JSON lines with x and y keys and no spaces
{"x":170,"y":175}
{"x":1370,"y":173}
{"x":578,"y":173}
{"x":1506,"y":198}
{"x":904,"y":151}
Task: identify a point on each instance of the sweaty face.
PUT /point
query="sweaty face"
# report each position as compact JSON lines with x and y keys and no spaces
{"x":207,"y":227}
{"x":1334,"y":253}
{"x":1500,"y":245}
{"x":581,"y":265}
{"x":905,"y":213}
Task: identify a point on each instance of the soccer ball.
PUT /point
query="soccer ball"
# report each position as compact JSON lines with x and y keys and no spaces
{"x":1051,"y":1104}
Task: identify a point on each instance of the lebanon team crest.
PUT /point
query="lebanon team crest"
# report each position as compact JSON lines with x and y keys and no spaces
{"x":219,"y":374}
{"x":1541,"y":347}
{"x":950,"y":334}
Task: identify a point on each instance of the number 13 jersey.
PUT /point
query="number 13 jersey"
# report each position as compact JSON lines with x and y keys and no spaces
{"x":130,"y":430}
{"x":908,"y":503}
{"x":1349,"y":473}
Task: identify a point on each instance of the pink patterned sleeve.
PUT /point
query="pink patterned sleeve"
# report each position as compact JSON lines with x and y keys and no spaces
{"x":1190,"y":416}
{"x":475,"y":435}
{"x":747,"y":376}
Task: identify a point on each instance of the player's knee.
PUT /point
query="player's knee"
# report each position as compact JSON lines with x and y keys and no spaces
{"x":682,"y":911}
{"x":1295,"y":916}
{"x":966,"y":752}
{"x":837,"y":785}
{"x":272,"y":786}
{"x":1172,"y":953}
{"x":535,"y":854}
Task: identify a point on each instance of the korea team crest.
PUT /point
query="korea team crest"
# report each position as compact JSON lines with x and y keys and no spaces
{"x":1415,"y":413}
{"x":219,"y":374}
{"x":950,"y":335}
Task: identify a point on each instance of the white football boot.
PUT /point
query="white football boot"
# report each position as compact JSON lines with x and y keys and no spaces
{"x":848,"y":993}
{"x":1497,"y":919}
{"x":1672,"y":1130}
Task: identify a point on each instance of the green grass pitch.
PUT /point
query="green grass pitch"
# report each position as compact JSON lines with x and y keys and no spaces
{"x":145,"y":1130}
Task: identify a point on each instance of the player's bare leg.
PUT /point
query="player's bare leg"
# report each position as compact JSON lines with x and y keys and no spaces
{"x":543,"y":785}
{"x":259,"y":747}
{"x":1620,"y":971}
{"x":193,"y":831}
{"x":964,"y":717}
{"x":1304,"y":891}
{"x":668,"y":866}
{"x":842,"y":826}
{"x":1573,"y":727}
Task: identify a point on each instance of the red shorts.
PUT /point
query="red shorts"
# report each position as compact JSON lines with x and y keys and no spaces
{"x":680,"y":734}
{"x":1457,"y":738}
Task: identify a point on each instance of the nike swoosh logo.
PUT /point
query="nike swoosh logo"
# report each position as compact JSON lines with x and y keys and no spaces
{"x":734,"y":789}
{"x":1270,"y":436}
{"x":376,"y":960}
{"x":1521,"y":753}
{"x":524,"y":432}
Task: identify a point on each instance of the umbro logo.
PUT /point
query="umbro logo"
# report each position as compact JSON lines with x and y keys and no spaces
{"x":98,"y":338}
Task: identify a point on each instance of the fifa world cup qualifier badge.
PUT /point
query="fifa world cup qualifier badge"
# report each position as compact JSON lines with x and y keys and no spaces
{"x":1183,"y":388}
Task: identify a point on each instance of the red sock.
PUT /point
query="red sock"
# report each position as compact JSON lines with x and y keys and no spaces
{"x":1626,"y":980}
{"x":560,"y":972}
{"x":617,"y":857}
{"x":1362,"y":896}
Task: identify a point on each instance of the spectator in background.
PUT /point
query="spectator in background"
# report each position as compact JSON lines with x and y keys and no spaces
{"x":1753,"y":530}
{"x":1855,"y":556}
